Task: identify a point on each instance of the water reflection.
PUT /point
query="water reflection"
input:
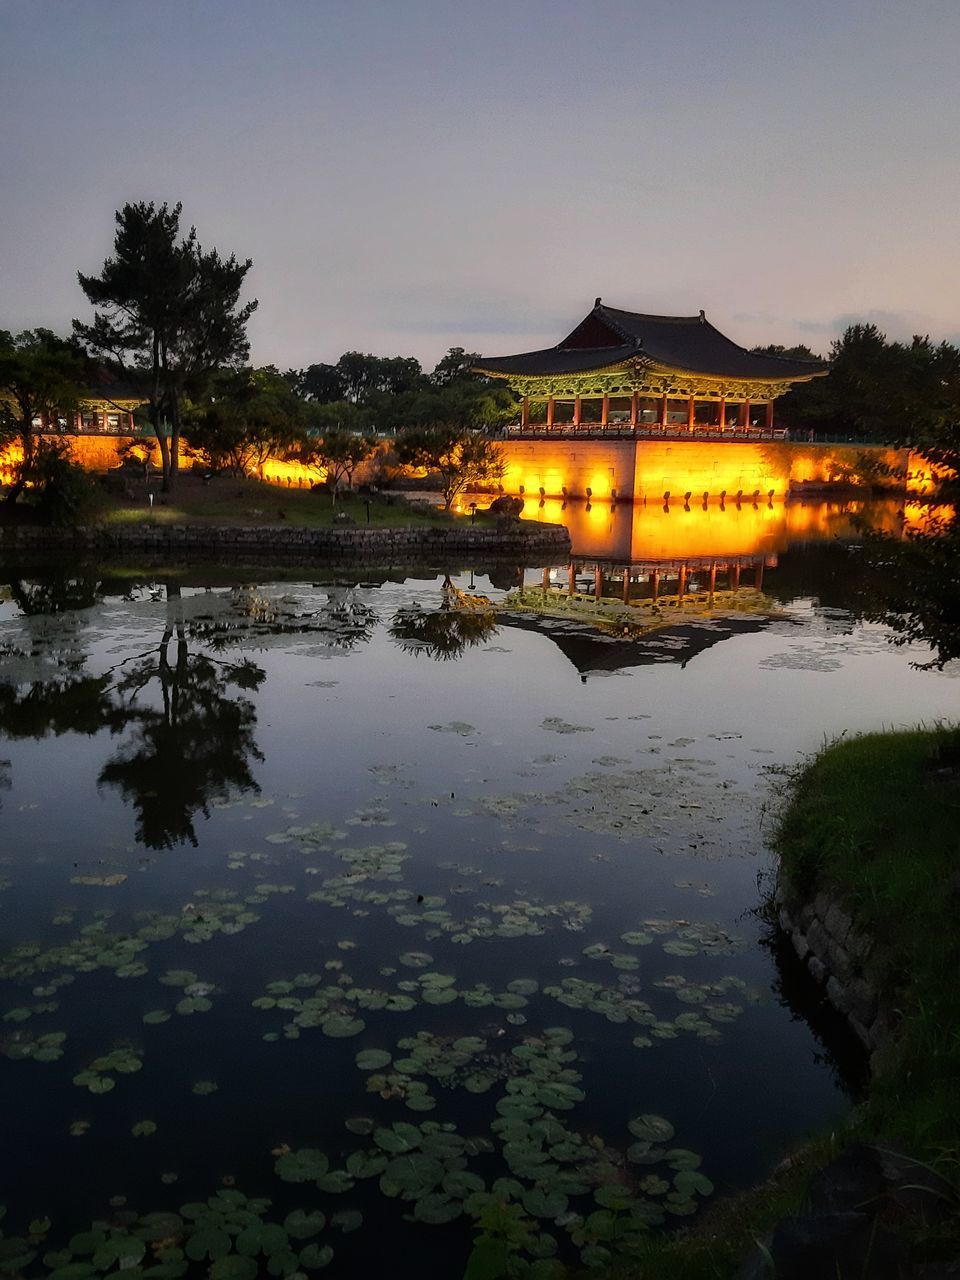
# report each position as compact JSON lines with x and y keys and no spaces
{"x":713,"y":530}
{"x":462,"y":622}
{"x":192,"y":742}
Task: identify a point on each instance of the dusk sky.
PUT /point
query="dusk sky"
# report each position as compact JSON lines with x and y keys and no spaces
{"x":410,"y":175}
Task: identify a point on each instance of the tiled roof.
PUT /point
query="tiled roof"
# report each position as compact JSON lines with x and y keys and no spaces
{"x":609,"y":336}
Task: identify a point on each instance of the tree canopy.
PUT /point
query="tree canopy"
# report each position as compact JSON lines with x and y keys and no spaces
{"x":458,"y":458}
{"x":168,"y":312}
{"x":40,"y":375}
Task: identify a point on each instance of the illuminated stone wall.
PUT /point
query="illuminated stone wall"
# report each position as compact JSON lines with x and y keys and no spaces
{"x":650,"y":468}
{"x":599,"y":465}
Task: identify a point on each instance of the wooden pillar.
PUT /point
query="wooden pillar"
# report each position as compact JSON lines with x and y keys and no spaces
{"x":546,"y":580}
{"x":713,"y":579}
{"x":634,"y":408}
{"x":104,"y":424}
{"x":571,"y":578}
{"x":735,"y":577}
{"x":682,"y":582}
{"x":598,"y":582}
{"x":758,"y":577}
{"x":655,"y":585}
{"x":549,"y":412}
{"x":722,"y":413}
{"x":524,"y":412}
{"x":691,"y":413}
{"x":664,"y":418}
{"x":576,"y":411}
{"x":626,"y":584}
{"x":769,"y":418}
{"x":744,"y":413}
{"x":78,"y":422}
{"x":605,"y":410}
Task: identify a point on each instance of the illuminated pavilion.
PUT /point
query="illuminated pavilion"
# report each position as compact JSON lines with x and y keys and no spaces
{"x":623,"y":369}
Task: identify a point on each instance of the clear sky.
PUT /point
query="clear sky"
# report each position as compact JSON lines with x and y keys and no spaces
{"x":409,"y":175}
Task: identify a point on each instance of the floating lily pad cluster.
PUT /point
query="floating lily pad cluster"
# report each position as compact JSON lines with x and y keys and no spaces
{"x":230,"y":1235}
{"x":100,"y":1075}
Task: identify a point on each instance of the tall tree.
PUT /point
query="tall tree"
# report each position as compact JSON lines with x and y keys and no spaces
{"x":40,"y":375}
{"x":323,"y":383}
{"x":455,"y":366}
{"x":168,"y":312}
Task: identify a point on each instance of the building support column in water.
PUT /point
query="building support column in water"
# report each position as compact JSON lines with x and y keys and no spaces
{"x":571,"y":579}
{"x":626,"y":584}
{"x":682,"y":582}
{"x":713,"y":579}
{"x":758,"y":577}
{"x":546,"y":579}
{"x":598,"y":582}
{"x":655,"y":585}
{"x":735,"y":576}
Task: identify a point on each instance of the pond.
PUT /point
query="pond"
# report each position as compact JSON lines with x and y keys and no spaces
{"x":336,"y":911}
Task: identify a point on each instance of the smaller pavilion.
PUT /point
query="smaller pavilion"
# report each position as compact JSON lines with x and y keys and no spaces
{"x":623,"y":369}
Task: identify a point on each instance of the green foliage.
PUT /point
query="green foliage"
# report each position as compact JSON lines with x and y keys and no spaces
{"x":247,"y":417}
{"x":337,"y":452}
{"x":900,"y":393}
{"x":40,"y":376}
{"x":458,"y":458}
{"x":912,"y":585}
{"x":62,"y":492}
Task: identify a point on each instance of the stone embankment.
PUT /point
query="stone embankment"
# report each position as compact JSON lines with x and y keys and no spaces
{"x":837,"y":956}
{"x":513,"y":540}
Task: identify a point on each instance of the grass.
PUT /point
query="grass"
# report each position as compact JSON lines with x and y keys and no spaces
{"x":249,"y":502}
{"x":875,"y":820}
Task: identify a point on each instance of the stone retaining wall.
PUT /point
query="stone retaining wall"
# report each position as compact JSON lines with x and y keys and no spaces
{"x":837,"y":957}
{"x":517,"y":541}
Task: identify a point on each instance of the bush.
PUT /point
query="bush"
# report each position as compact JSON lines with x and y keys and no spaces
{"x":61,"y":492}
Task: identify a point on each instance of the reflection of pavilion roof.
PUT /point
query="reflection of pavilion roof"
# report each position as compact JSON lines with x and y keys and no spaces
{"x":592,"y":650}
{"x":608,"y":337}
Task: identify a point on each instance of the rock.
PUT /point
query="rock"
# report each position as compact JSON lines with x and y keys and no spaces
{"x":841,"y":1246}
{"x":506,"y":506}
{"x":837,"y":923}
{"x":800,"y":945}
{"x":343,"y":518}
{"x":818,"y":970}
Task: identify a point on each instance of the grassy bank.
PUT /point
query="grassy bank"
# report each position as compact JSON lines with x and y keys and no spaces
{"x":875,"y":820}
{"x":245,"y":502}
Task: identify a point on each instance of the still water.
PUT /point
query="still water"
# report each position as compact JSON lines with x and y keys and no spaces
{"x":354,"y":899}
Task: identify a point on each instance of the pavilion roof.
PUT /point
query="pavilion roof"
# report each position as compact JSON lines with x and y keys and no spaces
{"x":607,"y":337}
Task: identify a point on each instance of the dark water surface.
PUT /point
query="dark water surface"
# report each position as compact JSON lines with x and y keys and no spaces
{"x":266,"y":818}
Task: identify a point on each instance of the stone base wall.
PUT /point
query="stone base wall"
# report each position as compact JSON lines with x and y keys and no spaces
{"x":646,"y":469}
{"x":519,"y":541}
{"x":837,"y":957}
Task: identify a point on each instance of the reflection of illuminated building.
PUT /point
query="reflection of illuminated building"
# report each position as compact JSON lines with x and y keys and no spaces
{"x":622,"y":369}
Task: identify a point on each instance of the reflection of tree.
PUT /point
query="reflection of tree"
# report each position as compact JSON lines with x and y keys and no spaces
{"x":190,"y":746}
{"x":185,"y":724}
{"x":913,"y":587}
{"x":461,"y":622}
